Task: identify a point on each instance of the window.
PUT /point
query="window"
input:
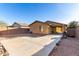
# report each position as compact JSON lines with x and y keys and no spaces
{"x":59,"y":29}
{"x":41,"y":28}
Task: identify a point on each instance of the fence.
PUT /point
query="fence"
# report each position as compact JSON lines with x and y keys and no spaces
{"x":14,"y":31}
{"x":77,"y":32}
{"x":71,"y":32}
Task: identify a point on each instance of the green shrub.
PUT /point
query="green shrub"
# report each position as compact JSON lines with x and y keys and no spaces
{"x":73,"y":24}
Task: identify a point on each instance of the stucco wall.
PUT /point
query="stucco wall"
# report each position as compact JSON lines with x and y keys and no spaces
{"x":72,"y":31}
{"x":14,"y":31}
{"x":35,"y":28}
{"x":77,"y":32}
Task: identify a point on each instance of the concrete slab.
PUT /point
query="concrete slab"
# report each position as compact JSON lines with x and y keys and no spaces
{"x":20,"y":47}
{"x":28,"y":46}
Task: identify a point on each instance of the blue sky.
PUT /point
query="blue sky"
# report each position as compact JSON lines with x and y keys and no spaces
{"x":29,"y":12}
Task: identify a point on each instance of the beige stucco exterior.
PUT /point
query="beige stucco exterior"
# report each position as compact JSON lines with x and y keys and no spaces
{"x":44,"y":28}
{"x":36,"y":28}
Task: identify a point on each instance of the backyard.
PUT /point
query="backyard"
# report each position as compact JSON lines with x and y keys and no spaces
{"x":67,"y":47}
{"x":28,"y":44}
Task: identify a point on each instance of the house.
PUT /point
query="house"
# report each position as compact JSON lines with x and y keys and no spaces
{"x":2,"y":28}
{"x":18,"y":25}
{"x":48,"y":27}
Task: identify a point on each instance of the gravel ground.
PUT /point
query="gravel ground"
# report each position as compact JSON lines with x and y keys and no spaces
{"x":67,"y":47}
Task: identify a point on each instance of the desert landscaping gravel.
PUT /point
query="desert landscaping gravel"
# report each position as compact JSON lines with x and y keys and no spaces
{"x":67,"y":47}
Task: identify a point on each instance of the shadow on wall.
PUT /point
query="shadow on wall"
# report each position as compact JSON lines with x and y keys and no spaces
{"x":19,"y":32}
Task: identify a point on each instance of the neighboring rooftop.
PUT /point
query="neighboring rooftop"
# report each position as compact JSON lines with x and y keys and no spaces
{"x":18,"y":24}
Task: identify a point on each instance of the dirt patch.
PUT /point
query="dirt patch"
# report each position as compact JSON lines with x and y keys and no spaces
{"x":67,"y":47}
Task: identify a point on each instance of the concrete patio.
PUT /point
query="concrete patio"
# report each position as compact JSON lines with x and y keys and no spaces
{"x":67,"y":47}
{"x":28,"y":44}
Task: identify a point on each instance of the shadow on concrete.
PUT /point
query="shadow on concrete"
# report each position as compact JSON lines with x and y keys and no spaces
{"x":22,"y":35}
{"x":18,"y":32}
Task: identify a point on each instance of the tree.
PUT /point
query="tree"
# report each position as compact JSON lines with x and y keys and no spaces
{"x":73,"y":24}
{"x":2,"y":23}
